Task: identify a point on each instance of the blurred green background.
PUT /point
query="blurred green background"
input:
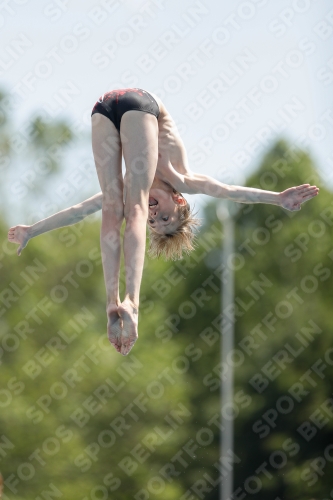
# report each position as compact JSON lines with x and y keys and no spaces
{"x":79,"y":421}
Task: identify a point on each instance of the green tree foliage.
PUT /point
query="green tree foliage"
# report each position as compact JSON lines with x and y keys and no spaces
{"x":81,"y":421}
{"x":30,"y":155}
{"x":76,"y":416}
{"x":283,"y":356}
{"x":283,"y":329}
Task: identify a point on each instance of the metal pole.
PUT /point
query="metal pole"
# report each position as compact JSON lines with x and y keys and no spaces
{"x":227,"y":344}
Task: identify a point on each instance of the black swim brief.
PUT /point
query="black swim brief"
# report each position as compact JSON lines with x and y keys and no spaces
{"x":115,"y":103}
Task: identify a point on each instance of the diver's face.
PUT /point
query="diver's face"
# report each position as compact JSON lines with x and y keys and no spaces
{"x":163,"y":215}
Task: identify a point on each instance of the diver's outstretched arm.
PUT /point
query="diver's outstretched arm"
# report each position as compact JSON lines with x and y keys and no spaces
{"x":290,"y":199}
{"x":22,"y":234}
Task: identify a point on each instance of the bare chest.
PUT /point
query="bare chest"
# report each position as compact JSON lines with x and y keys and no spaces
{"x":171,"y":153}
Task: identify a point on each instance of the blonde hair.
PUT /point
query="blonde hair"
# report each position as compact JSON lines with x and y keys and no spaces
{"x":172,"y":246}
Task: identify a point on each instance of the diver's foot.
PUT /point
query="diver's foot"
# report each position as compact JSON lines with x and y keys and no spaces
{"x":114,"y":326}
{"x":129,"y":314}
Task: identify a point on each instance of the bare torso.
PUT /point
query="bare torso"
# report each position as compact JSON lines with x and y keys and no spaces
{"x":172,"y":157}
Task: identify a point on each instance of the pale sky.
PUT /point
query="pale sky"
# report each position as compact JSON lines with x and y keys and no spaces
{"x":234,"y":75}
